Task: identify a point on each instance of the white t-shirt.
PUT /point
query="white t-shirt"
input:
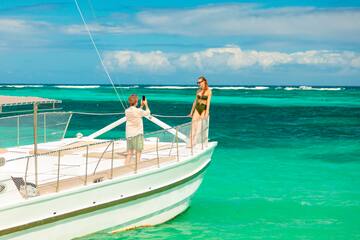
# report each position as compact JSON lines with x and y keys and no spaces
{"x":134,"y":123}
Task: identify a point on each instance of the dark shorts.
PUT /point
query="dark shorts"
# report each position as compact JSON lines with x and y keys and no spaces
{"x":135,"y":143}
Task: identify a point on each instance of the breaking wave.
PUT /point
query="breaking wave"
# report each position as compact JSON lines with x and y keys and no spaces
{"x":241,"y":88}
{"x":171,"y":87}
{"x":21,"y":86}
{"x":127,"y":87}
{"x":77,"y":86}
{"x":307,"y":88}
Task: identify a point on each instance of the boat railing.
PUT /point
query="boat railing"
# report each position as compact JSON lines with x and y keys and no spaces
{"x":96,"y":161}
{"x":19,"y":131}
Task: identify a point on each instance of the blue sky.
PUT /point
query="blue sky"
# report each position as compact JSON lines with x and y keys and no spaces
{"x":172,"y":42}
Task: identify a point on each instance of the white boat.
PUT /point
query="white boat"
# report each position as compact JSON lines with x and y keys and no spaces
{"x":63,"y":188}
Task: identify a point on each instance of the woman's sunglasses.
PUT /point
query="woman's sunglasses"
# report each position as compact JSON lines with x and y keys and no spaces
{"x":199,"y":82}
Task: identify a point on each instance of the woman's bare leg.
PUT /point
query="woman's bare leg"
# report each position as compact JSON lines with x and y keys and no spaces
{"x":195,"y":128}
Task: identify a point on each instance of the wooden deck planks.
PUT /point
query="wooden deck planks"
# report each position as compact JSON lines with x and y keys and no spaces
{"x":106,"y":174}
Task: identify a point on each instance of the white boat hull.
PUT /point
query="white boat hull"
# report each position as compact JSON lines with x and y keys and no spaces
{"x":143,"y":212}
{"x":142,"y":199}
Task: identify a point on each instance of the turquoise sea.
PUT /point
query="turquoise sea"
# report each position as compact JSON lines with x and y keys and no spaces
{"x":287,"y":165}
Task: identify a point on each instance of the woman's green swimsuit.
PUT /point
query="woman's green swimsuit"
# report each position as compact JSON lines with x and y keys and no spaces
{"x":200,"y":107}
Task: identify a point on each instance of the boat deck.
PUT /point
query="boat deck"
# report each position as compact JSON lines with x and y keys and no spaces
{"x":102,"y":175}
{"x":74,"y":162}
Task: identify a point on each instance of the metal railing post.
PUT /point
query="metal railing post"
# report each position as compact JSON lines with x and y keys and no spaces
{"x":112,"y":160}
{"x":36,"y":169}
{"x":58,"y":172}
{"x":86,"y":166}
{"x":25,"y":178}
{"x":44,"y":127}
{"x":18,"y":130}
{"x":136,"y":163}
{"x":191,"y":139}
{"x":35,"y":142}
{"x":177,"y":144}
{"x":202,"y":134}
{"x":207,"y":131}
{"x":136,"y":159}
{"x":157,"y":151}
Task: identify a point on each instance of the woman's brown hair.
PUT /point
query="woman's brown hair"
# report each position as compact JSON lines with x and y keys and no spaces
{"x":203,"y":79}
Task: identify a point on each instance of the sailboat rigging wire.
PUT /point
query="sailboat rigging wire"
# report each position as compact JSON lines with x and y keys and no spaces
{"x":169,"y":116}
{"x":31,"y":111}
{"x":122,"y":113}
{"x":98,"y":54}
{"x":92,"y":9}
{"x":99,"y":114}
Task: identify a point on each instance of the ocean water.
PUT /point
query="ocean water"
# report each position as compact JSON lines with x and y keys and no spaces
{"x":287,"y":165}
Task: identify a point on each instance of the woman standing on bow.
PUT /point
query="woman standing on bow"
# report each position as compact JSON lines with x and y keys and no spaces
{"x":200,"y":112}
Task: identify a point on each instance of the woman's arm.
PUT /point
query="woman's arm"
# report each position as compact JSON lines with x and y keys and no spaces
{"x":208,"y":104}
{"x":192,"y":109}
{"x":193,"y":106}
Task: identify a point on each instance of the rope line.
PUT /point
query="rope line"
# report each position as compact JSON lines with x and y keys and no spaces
{"x":31,"y":110}
{"x":98,"y":114}
{"x":98,"y":54}
{"x":123,"y":113}
{"x":169,"y":116}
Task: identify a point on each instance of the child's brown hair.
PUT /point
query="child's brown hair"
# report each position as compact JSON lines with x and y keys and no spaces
{"x":133,"y":99}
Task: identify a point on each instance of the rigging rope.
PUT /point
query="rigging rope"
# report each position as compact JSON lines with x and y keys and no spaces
{"x":98,"y":53}
{"x":122,"y":113}
{"x":98,"y":114}
{"x":107,"y":72}
{"x":31,"y":111}
{"x":169,"y":116}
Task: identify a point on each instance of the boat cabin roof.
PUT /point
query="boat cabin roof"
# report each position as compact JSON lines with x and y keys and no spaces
{"x":15,"y":100}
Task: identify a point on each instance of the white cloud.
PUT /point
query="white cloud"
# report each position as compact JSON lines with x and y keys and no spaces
{"x":239,"y":20}
{"x":102,"y":28}
{"x":154,"y":61}
{"x":232,"y":57}
{"x":16,"y":26}
{"x":11,"y":25}
{"x":227,"y":58}
{"x":355,"y":62}
{"x":18,"y":33}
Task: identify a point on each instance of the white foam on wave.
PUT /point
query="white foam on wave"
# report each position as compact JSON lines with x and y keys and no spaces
{"x":307,"y":88}
{"x":291,"y":88}
{"x":15,"y":86}
{"x":241,"y":88}
{"x":22,"y":86}
{"x":218,"y":88}
{"x":329,"y":89}
{"x":77,"y":86}
{"x":171,"y":87}
{"x":127,"y":87}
